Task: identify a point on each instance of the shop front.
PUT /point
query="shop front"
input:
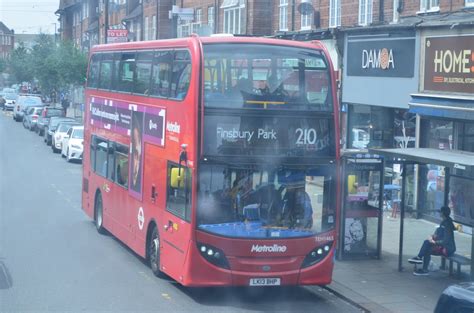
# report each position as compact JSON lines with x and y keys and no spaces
{"x":444,"y":157}
{"x":378,"y":78}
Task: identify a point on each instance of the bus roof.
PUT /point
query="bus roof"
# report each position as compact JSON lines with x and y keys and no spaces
{"x":186,"y":42}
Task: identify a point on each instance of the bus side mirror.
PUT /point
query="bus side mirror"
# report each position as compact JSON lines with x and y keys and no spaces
{"x":177,"y":177}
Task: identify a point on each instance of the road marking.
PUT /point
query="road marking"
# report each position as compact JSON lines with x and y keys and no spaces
{"x":166,"y":296}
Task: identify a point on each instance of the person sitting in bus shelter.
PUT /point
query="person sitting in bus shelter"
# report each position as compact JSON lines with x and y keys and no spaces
{"x":440,"y":243}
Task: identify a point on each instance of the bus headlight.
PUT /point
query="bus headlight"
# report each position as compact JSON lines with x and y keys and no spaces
{"x":213,"y":255}
{"x":317,"y":254}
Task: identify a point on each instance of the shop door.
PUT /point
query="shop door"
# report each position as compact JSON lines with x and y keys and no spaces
{"x":361,"y":223}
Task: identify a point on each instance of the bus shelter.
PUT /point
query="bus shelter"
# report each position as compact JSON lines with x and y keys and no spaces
{"x":362,"y":199}
{"x":434,"y":178}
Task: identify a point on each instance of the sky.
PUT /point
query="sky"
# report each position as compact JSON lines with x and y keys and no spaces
{"x":29,"y":16}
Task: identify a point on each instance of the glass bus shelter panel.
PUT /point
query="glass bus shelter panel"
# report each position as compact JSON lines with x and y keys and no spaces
{"x":361,"y":222}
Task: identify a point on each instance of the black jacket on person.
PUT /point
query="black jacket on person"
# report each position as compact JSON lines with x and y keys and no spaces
{"x":446,"y":234}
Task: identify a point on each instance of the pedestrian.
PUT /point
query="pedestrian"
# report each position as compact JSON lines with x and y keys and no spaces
{"x":65,"y":104}
{"x":440,"y":243}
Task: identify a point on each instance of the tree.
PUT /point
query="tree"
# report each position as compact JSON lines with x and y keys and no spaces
{"x":3,"y":65}
{"x":19,"y":65}
{"x":54,"y":66}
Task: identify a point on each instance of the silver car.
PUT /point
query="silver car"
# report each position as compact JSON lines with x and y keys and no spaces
{"x":31,"y":117}
{"x":23,"y":102}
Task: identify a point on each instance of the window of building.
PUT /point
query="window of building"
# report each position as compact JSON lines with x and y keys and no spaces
{"x":198,"y":15}
{"x":465,"y":134}
{"x":153,"y":27}
{"x":335,"y":13}
{"x":429,"y":5}
{"x":184,"y":28}
{"x":146,"y":28}
{"x":396,"y":14}
{"x":283,"y":15}
{"x":234,"y":16}
{"x":210,"y":18}
{"x":437,"y":134}
{"x":306,"y":21}
{"x":365,"y":12}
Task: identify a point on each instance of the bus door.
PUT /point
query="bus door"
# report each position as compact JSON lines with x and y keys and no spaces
{"x":176,"y":222}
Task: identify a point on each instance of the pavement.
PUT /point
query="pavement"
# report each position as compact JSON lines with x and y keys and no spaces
{"x":378,"y":286}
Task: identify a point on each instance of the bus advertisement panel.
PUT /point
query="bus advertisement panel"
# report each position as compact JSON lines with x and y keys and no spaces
{"x":216,"y":159}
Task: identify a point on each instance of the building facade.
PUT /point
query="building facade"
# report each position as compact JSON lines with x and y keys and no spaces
{"x":7,"y":41}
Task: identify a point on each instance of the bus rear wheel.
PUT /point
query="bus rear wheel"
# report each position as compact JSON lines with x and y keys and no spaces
{"x":154,"y":252}
{"x":99,"y":214}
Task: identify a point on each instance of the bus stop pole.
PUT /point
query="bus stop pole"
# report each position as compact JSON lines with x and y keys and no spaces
{"x":402,"y":217}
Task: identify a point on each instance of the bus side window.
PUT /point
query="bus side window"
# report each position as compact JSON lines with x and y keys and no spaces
{"x":161,"y":72}
{"x":101,"y":157}
{"x":179,"y":191}
{"x":93,"y":78}
{"x":121,"y":165}
{"x":93,"y":151}
{"x":126,"y":72}
{"x":110,"y":161}
{"x":181,"y":75}
{"x":143,"y":73}
{"x":105,"y":78}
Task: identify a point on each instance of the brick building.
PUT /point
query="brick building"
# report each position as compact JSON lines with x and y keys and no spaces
{"x":7,"y":39}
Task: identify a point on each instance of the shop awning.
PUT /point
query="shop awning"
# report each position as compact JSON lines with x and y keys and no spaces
{"x":457,"y":159}
{"x":457,"y":107}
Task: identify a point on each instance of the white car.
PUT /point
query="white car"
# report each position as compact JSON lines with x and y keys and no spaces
{"x":73,"y":144}
{"x":59,"y":134}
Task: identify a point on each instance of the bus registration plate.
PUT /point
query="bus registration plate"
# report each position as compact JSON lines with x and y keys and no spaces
{"x":265,"y":282}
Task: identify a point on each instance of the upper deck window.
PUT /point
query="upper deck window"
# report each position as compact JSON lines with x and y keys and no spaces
{"x":266,"y":77}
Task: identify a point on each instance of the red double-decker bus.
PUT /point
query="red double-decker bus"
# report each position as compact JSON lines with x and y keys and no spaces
{"x":216,"y":158}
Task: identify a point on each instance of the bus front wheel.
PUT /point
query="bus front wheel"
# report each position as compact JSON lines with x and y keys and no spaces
{"x":154,"y":251}
{"x":99,"y":214}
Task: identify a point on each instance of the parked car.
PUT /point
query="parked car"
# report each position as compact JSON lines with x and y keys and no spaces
{"x":50,"y":128}
{"x":457,"y":298}
{"x":31,"y":117}
{"x":43,"y":120}
{"x":60,"y":133}
{"x":73,"y":143}
{"x":10,"y":100}
{"x":25,"y":101}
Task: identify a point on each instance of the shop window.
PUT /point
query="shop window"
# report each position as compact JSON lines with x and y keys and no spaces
{"x":437,"y":134}
{"x":370,"y":127}
{"x":466,"y":137}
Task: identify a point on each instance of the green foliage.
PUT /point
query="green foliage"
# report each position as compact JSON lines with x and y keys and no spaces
{"x":3,"y":65}
{"x":55,"y":66}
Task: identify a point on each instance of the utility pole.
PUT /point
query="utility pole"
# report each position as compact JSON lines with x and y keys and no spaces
{"x":106,"y":22}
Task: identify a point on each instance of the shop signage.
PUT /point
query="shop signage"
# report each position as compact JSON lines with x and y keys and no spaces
{"x":449,"y":64}
{"x":381,"y":58}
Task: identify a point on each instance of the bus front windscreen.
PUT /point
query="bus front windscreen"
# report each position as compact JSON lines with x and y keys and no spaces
{"x":256,"y":76}
{"x":250,"y":202}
